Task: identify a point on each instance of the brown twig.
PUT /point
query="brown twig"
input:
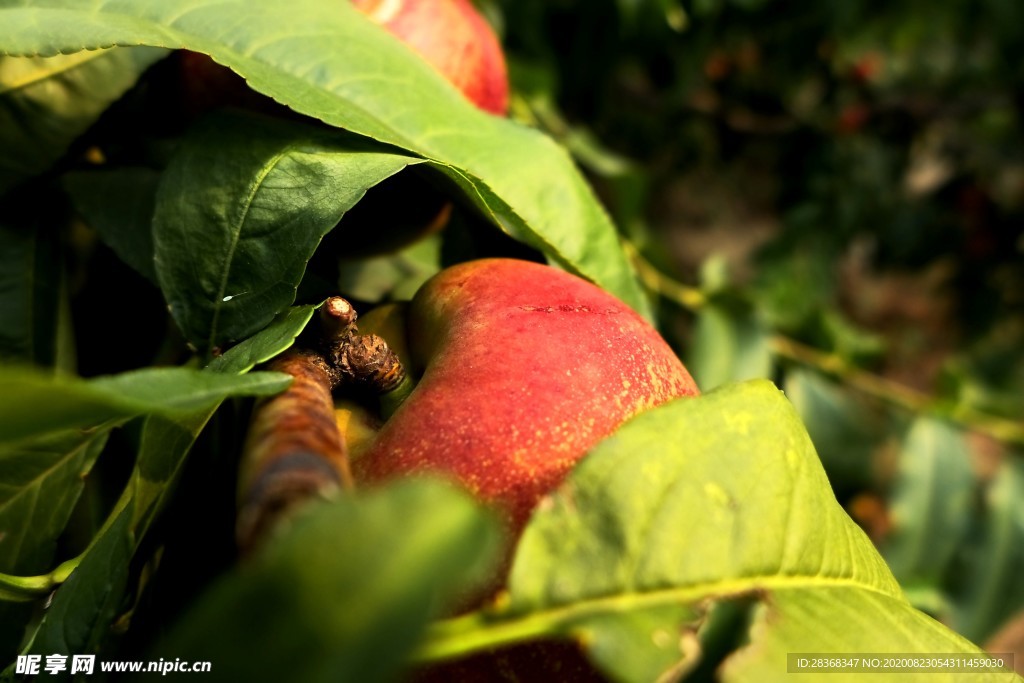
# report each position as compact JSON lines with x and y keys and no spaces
{"x":294,"y":451}
{"x":337,"y":320}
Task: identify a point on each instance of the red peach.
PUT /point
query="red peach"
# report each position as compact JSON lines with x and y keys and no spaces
{"x":455,"y":38}
{"x":525,"y":368}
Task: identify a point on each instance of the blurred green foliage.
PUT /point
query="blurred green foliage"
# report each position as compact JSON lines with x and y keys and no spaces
{"x":832,"y":195}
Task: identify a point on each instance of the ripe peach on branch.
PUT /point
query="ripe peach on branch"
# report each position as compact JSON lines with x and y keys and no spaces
{"x":524,"y":368}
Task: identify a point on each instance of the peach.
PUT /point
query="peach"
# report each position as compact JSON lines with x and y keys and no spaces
{"x":455,"y":38}
{"x":524,"y":368}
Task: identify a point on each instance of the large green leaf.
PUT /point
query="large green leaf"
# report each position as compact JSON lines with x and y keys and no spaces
{"x":345,"y":593}
{"x":32,"y":404}
{"x":702,"y":499}
{"x":325,"y":59}
{"x":47,"y":102}
{"x":240,"y":211}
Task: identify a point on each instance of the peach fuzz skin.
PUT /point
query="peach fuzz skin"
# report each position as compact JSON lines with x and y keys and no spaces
{"x":524,"y":369}
{"x":454,"y":37}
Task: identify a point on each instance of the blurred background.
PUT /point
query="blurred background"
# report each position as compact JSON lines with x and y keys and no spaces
{"x":829,"y":195}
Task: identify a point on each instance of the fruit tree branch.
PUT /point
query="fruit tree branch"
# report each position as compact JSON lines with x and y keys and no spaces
{"x":294,"y":451}
{"x":833,"y":365}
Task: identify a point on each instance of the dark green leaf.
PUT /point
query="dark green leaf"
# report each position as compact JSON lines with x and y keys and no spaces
{"x":40,"y":482}
{"x":702,"y":499}
{"x":343,"y":594}
{"x":118,"y":204}
{"x":47,"y":102}
{"x":83,"y":607}
{"x":330,"y":62}
{"x":31,"y":282}
{"x":240,"y":211}
{"x":162,"y":453}
{"x":79,"y":616}
{"x":794,"y":285}
{"x":13,"y":616}
{"x":87,"y":604}
{"x":32,"y":404}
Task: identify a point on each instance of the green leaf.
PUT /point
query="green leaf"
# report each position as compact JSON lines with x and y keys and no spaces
{"x":269,"y":342}
{"x":47,"y":102}
{"x":849,"y":341}
{"x":994,"y":563}
{"x":844,"y":429}
{"x":118,"y":203}
{"x":31,"y":281}
{"x":396,"y":276}
{"x":344,"y":593}
{"x":643,"y":645}
{"x":932,"y":502}
{"x":831,"y":619}
{"x":701,"y":499}
{"x":40,"y":482}
{"x":164,"y":447}
{"x":328,"y":61}
{"x":32,"y":404}
{"x":83,"y":607}
{"x":80,"y":613}
{"x":729,"y":346}
{"x":240,"y":211}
